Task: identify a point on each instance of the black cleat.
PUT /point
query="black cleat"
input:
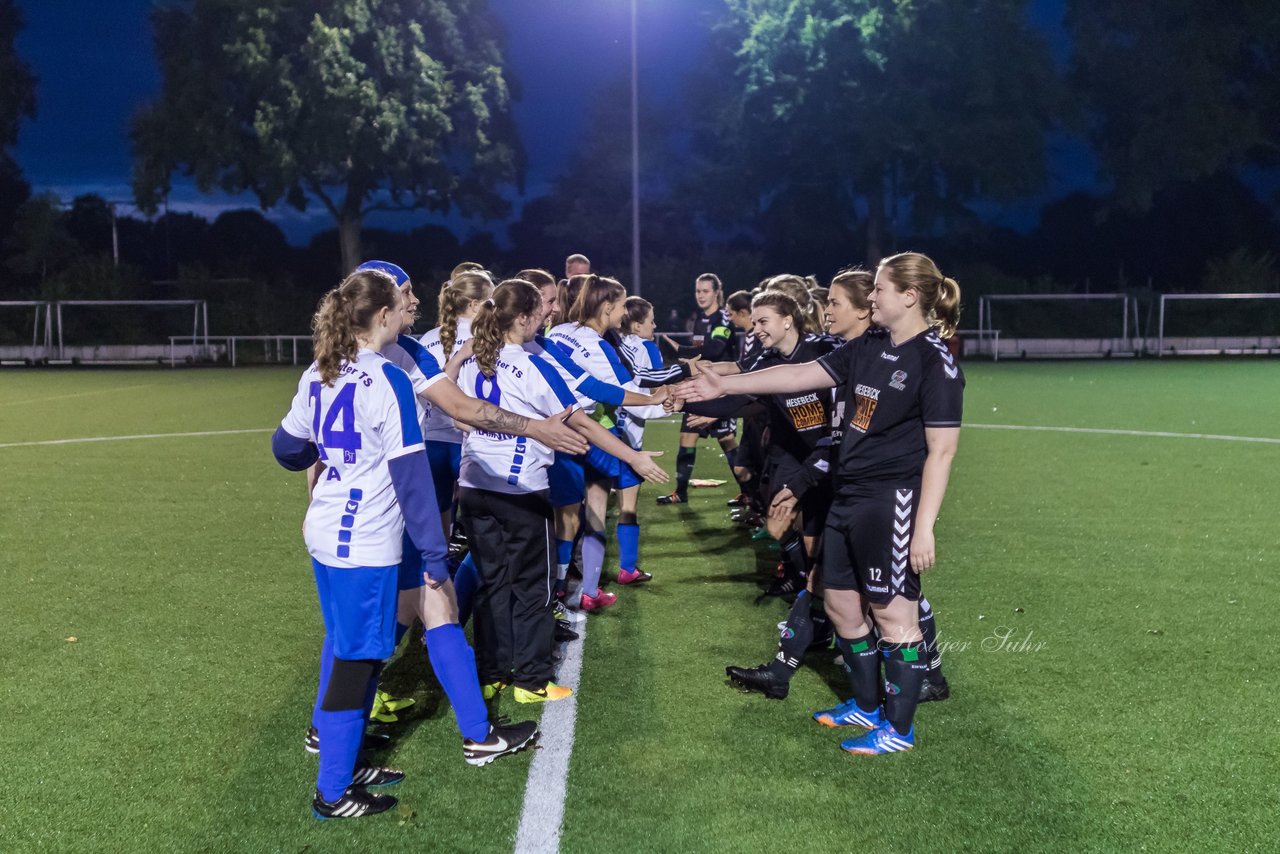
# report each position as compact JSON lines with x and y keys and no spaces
{"x":503,"y":739}
{"x":759,"y":679}
{"x":743,"y":500}
{"x":934,"y":689}
{"x":564,"y":632}
{"x":372,"y":741}
{"x":673,"y":498}
{"x":373,"y":777}
{"x":354,"y":803}
{"x":785,"y":585}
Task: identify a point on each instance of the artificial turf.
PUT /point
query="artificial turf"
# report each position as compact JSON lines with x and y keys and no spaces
{"x":1131,"y":705}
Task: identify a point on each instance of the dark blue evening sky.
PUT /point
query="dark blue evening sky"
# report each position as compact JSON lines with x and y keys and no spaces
{"x":96,"y":67}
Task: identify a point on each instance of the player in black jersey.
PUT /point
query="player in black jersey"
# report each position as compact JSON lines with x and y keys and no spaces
{"x":899,"y":396}
{"x":713,"y":341}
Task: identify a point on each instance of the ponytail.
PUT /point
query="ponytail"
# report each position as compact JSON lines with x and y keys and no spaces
{"x":783,"y":304}
{"x":798,"y":289}
{"x":638,"y":308}
{"x":343,"y":314}
{"x":455,"y":297}
{"x":510,"y":300}
{"x":595,"y":292}
{"x":939,"y":295}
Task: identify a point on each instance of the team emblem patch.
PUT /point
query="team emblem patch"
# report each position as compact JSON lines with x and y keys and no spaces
{"x":898,"y":380}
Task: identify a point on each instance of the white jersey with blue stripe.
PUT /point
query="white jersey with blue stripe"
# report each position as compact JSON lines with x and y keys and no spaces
{"x":439,"y":427}
{"x":367,"y":418}
{"x":643,"y":353}
{"x":525,"y":384}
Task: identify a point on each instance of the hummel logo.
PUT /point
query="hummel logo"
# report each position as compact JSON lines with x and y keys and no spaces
{"x":353,"y":506}
{"x":889,"y":356}
{"x":951,"y":372}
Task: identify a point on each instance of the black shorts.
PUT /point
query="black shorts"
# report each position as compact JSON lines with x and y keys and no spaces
{"x":782,"y":470}
{"x":866,"y":545}
{"x":718,"y":430}
{"x":751,"y":450}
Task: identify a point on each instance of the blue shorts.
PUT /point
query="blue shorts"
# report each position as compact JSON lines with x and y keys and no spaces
{"x":600,"y":465}
{"x":411,"y":573}
{"x":445,"y":459}
{"x":359,"y":609}
{"x":567,"y":484}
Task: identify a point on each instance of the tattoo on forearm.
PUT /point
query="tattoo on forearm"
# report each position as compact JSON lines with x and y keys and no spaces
{"x":500,"y":420}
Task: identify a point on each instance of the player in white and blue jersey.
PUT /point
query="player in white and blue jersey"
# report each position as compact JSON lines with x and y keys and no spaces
{"x":599,"y":306}
{"x":356,"y":413}
{"x":459,"y":300}
{"x":899,"y":397}
{"x":505,"y":499}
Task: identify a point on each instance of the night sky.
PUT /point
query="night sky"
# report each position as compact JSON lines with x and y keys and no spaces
{"x":95,"y":66}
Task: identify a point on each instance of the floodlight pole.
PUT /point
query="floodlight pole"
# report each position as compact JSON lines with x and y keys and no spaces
{"x":635,"y":157}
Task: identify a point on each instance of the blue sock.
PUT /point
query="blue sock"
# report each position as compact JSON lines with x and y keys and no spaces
{"x":326,"y":670}
{"x":592,"y":561}
{"x":564,"y":557}
{"x":628,"y":545}
{"x":465,"y":583}
{"x":341,"y":734}
{"x":455,"y":666}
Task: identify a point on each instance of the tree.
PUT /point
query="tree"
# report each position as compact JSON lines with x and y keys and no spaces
{"x":1177,"y":89}
{"x":361,"y":105}
{"x":878,"y":106}
{"x":17,"y":101}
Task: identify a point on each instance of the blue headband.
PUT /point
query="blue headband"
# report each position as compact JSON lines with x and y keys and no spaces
{"x":390,"y":269}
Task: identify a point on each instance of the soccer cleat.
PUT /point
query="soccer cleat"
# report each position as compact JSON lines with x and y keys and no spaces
{"x":742,"y":500}
{"x":934,"y":689}
{"x":759,"y":679}
{"x":633,"y":576}
{"x":602,"y":599}
{"x":882,"y":739}
{"x":564,"y":633}
{"x":673,"y":498}
{"x":848,"y":714}
{"x":761,"y":534}
{"x":371,"y":776}
{"x":551,"y":691}
{"x":489,"y":690}
{"x":354,"y":803}
{"x":393,"y":704}
{"x":372,"y":741}
{"x":504,"y":739}
{"x":785,"y":585}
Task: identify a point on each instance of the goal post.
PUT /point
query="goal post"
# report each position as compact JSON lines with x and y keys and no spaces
{"x":101,"y":351}
{"x":1226,"y":324}
{"x":1059,"y":325}
{"x":41,"y":332}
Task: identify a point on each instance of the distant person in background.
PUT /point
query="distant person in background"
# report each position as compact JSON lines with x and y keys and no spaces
{"x":576,"y":265}
{"x":713,"y":341}
{"x":673,"y":321}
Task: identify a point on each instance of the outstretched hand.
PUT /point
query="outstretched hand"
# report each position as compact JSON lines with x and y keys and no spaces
{"x":706,"y":385}
{"x":647,"y":468}
{"x":555,"y":433}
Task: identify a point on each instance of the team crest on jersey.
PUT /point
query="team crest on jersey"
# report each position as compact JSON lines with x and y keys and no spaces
{"x":349,"y":456}
{"x":898,"y":380}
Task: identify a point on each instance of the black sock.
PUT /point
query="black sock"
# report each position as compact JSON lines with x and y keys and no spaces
{"x":796,"y":637}
{"x":684,"y":470}
{"x":929,"y":629}
{"x":818,"y":616}
{"x":904,"y":669}
{"x":862,"y":664}
{"x":793,"y":554}
{"x":731,"y":457}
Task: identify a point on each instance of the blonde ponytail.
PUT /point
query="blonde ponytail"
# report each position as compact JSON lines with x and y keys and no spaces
{"x":489,"y":328}
{"x":463,"y":289}
{"x":343,"y":313}
{"x":939,"y":295}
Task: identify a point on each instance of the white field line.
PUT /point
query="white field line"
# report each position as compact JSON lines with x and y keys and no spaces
{"x":542,"y":816}
{"x":137,"y":436}
{"x":1158,"y":434}
{"x":77,"y":394}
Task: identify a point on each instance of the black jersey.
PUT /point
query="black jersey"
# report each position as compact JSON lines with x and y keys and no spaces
{"x":885,"y":397}
{"x":751,"y":349}
{"x":798,"y":421}
{"x":713,"y":338}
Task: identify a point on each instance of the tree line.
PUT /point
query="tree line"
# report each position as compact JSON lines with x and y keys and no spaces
{"x":812,"y":134}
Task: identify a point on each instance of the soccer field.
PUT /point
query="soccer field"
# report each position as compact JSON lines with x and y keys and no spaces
{"x":1105,"y":593}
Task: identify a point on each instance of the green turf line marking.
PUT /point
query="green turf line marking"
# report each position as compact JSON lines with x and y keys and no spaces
{"x":138,"y":436}
{"x":1160,"y":434}
{"x":542,"y":816}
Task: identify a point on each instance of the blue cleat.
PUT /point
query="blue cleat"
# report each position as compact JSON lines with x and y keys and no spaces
{"x":883,"y":739}
{"x":848,"y":714}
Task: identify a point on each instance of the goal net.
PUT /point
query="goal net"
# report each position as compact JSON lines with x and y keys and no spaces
{"x":1218,"y":324}
{"x":26,"y":331}
{"x":1057,"y":325}
{"x":129,"y":330}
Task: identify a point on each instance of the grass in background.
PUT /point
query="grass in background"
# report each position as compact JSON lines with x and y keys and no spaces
{"x":1130,"y":706}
